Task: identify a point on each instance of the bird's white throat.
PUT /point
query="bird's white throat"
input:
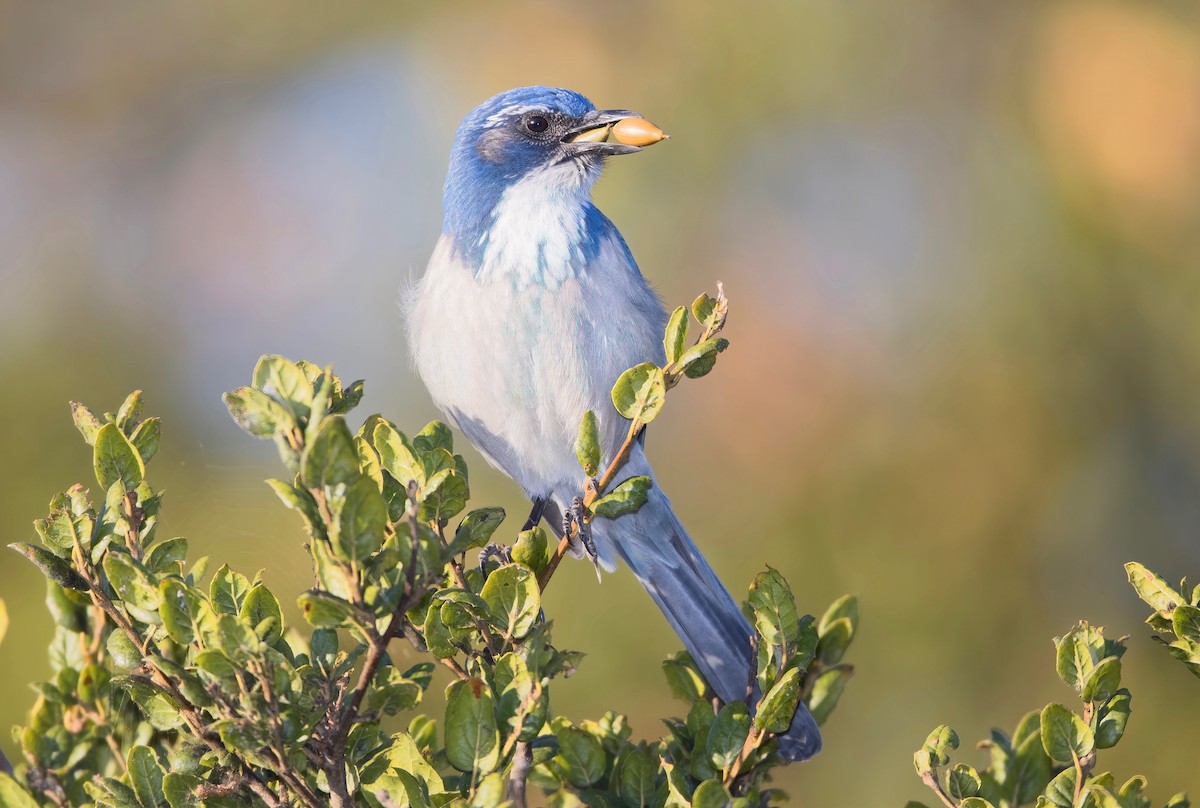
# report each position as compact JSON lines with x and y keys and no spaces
{"x":538,"y":229}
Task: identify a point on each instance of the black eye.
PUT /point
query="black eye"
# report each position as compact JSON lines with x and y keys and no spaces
{"x":537,"y":124}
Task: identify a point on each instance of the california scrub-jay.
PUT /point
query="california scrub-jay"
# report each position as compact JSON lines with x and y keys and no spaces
{"x":529,"y":310}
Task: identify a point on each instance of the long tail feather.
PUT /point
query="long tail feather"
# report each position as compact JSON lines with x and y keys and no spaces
{"x":659,"y":552}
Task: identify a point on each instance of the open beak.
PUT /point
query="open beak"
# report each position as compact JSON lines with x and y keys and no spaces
{"x":612,"y":131}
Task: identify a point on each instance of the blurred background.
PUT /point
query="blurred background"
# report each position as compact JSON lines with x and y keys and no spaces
{"x":960,"y":241}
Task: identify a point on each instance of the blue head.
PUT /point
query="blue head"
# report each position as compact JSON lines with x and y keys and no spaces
{"x":538,"y":137}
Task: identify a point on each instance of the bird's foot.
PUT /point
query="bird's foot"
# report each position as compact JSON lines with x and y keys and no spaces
{"x":577,"y":515}
{"x":500,"y":551}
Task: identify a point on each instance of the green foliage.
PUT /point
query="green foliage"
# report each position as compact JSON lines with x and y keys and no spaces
{"x":180,"y":686}
{"x":1176,"y":616}
{"x":1050,"y":758}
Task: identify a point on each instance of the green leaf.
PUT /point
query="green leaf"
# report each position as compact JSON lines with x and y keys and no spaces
{"x":129,"y":410}
{"x":157,"y":706}
{"x":517,"y":708}
{"x":260,"y":605}
{"x":330,"y":458}
{"x":332,"y":575}
{"x":1153,"y":590}
{"x":940,"y":743}
{"x":179,"y":788}
{"x":581,"y":756}
{"x":116,"y":460}
{"x":975,"y":802}
{"x":675,"y":336}
{"x":963,"y":781}
{"x":635,"y":774}
{"x":437,"y":636}
{"x":1103,"y":681}
{"x":513,"y":599}
{"x":434,"y":435}
{"x":132,"y":581}
{"x":52,"y":566}
{"x":168,"y":556}
{"x":257,"y":413}
{"x":1180,"y":800}
{"x":87,"y":423}
{"x":476,"y":529}
{"x":368,"y":460}
{"x":706,"y":310}
{"x":1029,"y":771}
{"x":323,"y":610}
{"x":774,"y":608}
{"x":683,"y":678}
{"x":110,"y":793}
{"x":532,"y":549}
{"x":640,"y":392}
{"x":62,"y":530}
{"x":66,"y":606}
{"x":397,"y":455}
{"x":12,"y":795}
{"x":836,"y":629}
{"x":180,"y":610}
{"x":146,"y":776}
{"x":1131,"y":794}
{"x":1111,"y":719}
{"x":361,"y":522}
{"x":777,"y":708}
{"x":711,"y":794}
{"x":827,"y":691}
{"x":1063,"y":732}
{"x":284,"y":381}
{"x":351,"y":397}
{"x":1077,"y":653}
{"x":626,"y":498}
{"x":587,"y":444}
{"x":472,"y":739}
{"x":124,"y":652}
{"x":302,"y":501}
{"x":444,"y":495}
{"x":1186,"y":622}
{"x":699,"y":360}
{"x":216,"y":664}
{"x":392,"y":692}
{"x":228,"y":590}
{"x":1060,"y":792}
{"x":145,"y":438}
{"x":403,"y":753}
{"x":728,"y":734}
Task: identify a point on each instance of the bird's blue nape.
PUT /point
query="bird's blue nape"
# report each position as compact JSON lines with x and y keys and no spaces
{"x":495,"y":149}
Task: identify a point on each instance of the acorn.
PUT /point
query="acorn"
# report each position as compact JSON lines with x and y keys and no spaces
{"x":597,"y":135}
{"x":637,"y":132}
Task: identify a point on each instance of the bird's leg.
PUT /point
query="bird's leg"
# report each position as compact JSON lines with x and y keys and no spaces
{"x":535,"y":514}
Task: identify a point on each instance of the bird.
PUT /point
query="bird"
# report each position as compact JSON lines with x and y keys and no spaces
{"x":529,"y":309}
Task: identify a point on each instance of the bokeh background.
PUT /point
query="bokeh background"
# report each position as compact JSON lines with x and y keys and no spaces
{"x":960,"y":241}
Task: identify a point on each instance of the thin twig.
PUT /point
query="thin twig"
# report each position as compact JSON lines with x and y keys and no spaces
{"x":930,"y":779}
{"x":522,"y":758}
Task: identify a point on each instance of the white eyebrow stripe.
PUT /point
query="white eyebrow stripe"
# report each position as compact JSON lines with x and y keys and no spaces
{"x":511,"y":111}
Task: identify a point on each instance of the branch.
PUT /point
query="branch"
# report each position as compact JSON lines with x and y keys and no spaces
{"x":930,"y":779}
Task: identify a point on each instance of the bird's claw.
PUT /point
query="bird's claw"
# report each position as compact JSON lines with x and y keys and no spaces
{"x":576,"y":516}
{"x":493,"y":550}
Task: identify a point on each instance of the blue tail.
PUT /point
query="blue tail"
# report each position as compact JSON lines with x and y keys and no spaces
{"x":713,"y":629}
